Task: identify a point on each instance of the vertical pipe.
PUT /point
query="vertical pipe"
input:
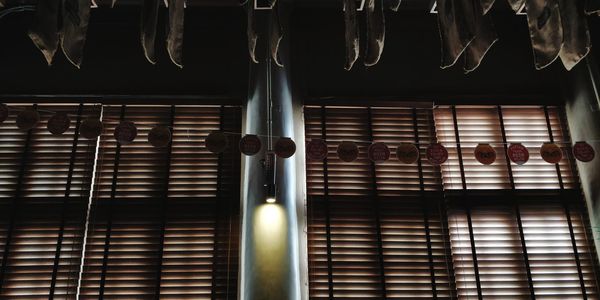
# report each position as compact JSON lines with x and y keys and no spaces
{"x":327,"y":206}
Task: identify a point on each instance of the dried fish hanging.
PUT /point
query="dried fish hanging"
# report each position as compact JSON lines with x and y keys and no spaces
{"x":576,"y":36}
{"x":76,"y":16}
{"x":516,"y":4}
{"x":351,"y":34}
{"x":175,"y":31}
{"x":485,"y":38}
{"x":149,"y":21}
{"x":545,"y":29}
{"x":375,"y":32}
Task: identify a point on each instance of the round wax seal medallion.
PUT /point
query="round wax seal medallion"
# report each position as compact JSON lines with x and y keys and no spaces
{"x":407,"y":153}
{"x":90,"y":128}
{"x":28,"y":119}
{"x":584,"y":152}
{"x":159,"y":136}
{"x":485,"y":154}
{"x":551,"y":153}
{"x":285,"y":147}
{"x":59,"y":123}
{"x":250,"y":144}
{"x":378,"y":152}
{"x":317,"y":149}
{"x":216,"y":142}
{"x":347,"y":151}
{"x":125,"y":132}
{"x":437,"y":154}
{"x":3,"y":112}
{"x":518,"y":154}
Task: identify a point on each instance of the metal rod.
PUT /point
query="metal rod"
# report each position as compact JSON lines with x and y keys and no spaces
{"x":163,"y":206}
{"x":327,"y":205}
{"x":376,"y":211}
{"x":65,"y":201}
{"x":113,"y":192}
{"x":468,"y":204}
{"x":425,"y":206}
{"x":217,"y":210}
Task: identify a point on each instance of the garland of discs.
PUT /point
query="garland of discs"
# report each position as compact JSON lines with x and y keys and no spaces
{"x":316,"y":149}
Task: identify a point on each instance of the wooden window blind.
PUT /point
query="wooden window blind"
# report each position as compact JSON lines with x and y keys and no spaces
{"x":375,"y":231}
{"x":498,"y":125}
{"x":164,"y":222}
{"x":45,"y":182}
{"x":535,"y":246}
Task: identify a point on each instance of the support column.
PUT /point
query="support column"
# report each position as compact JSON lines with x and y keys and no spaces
{"x":273,"y":244}
{"x":583,"y":113}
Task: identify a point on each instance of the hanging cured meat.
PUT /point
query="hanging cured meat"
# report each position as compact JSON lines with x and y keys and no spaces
{"x":351,"y":34}
{"x":251,"y":30}
{"x":175,"y":31}
{"x":545,"y":30}
{"x":149,"y":21}
{"x":44,"y":31}
{"x":576,"y":36}
{"x":76,"y":16}
{"x":485,"y":38}
{"x":276,"y":34}
{"x":375,"y":31}
{"x":457,"y":28}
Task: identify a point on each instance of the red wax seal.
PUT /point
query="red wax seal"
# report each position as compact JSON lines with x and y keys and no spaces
{"x":551,"y":153}
{"x":518,"y":154}
{"x":584,"y":152}
{"x":437,"y":154}
{"x":28,"y":119}
{"x":125,"y":132}
{"x":379,"y":152}
{"x":216,"y":142}
{"x":59,"y":123}
{"x":250,"y":144}
{"x":485,"y":154}
{"x":347,"y":151}
{"x":159,"y":136}
{"x":285,"y":147}
{"x":317,"y":149}
{"x":3,"y":112}
{"x":90,"y":128}
{"x":407,"y":153}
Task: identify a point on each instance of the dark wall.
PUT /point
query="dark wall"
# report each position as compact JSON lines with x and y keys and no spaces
{"x":410,"y":62}
{"x":215,"y":57}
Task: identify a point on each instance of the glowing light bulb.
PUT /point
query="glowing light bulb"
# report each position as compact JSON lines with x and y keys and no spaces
{"x":271,"y":200}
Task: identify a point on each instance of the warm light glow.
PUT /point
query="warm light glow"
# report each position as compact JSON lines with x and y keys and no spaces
{"x":271,"y":200}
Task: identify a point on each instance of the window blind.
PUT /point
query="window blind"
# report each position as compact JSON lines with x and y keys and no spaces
{"x":535,"y":247}
{"x":44,"y":191}
{"x":375,"y":231}
{"x":467,"y":126}
{"x":164,"y":222}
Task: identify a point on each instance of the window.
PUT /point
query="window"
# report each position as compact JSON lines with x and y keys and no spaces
{"x":164,"y":222}
{"x":375,"y":230}
{"x":44,"y":191}
{"x":464,"y":230}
